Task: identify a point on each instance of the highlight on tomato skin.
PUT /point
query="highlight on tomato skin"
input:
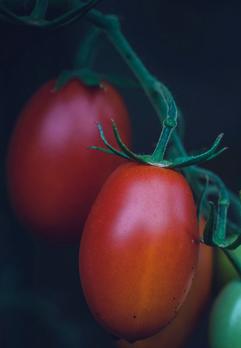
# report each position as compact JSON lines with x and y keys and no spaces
{"x":139,"y":250}
{"x":179,"y":330}
{"x":53,"y":177}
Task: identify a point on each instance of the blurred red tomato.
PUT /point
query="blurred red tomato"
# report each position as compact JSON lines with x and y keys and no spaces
{"x":53,"y":177}
{"x":177,"y":332}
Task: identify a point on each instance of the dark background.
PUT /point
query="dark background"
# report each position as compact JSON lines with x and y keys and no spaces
{"x":195,"y":49}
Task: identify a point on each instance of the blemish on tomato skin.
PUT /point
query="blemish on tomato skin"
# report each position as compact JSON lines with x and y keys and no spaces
{"x":134,"y":316}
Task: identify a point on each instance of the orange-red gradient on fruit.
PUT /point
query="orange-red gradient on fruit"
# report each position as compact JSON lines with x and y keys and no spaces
{"x":177,"y":332}
{"x":139,"y":250}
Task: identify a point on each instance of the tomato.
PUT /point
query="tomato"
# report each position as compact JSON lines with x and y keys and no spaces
{"x":225,"y":319}
{"x":178,"y":331}
{"x":53,"y":176}
{"x":224,"y":270}
{"x":139,"y":250}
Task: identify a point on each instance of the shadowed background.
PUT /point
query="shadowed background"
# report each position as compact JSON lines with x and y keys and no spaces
{"x":195,"y":50}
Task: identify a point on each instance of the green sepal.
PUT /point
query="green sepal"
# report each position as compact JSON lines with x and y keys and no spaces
{"x":110,"y":148}
{"x":106,"y":151}
{"x":205,"y":156}
{"x":86,"y":76}
{"x":152,"y":159}
{"x":93,"y":79}
{"x":131,"y":155}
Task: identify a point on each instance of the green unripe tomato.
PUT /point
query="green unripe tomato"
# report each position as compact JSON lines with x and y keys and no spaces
{"x":224,"y":271}
{"x":225,"y":318}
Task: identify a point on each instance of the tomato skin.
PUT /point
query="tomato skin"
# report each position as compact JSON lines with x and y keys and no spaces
{"x":225,"y":319}
{"x":138,"y":250}
{"x":177,"y":332}
{"x":53,"y":176}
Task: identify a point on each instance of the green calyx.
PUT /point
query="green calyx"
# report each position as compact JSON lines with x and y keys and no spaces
{"x":92,"y":79}
{"x":219,"y":232}
{"x":157,"y":158}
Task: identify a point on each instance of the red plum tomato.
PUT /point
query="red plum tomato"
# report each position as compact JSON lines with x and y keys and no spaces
{"x":139,"y":250}
{"x":53,"y":176}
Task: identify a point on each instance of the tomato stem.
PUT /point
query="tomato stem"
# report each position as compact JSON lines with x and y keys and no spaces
{"x":169,"y":125}
{"x":154,"y":89}
{"x":233,"y":227}
{"x":86,"y":52}
{"x":161,"y":99}
{"x":220,"y":218}
{"x":159,"y":95}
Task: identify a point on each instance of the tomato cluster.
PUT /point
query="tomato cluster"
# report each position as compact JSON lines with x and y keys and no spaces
{"x":139,"y":247}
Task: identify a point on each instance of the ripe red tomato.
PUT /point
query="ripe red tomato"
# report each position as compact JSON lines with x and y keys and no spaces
{"x":177,"y":332}
{"x":53,"y":177}
{"x":139,"y":249}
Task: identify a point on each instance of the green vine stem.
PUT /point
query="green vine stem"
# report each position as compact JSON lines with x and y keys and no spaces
{"x":221,"y":231}
{"x":154,"y":89}
{"x":86,"y":53}
{"x":158,"y":93}
{"x":160,"y":97}
{"x":169,"y":125}
{"x":235,"y":206}
{"x":233,"y":227}
{"x":219,"y":234}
